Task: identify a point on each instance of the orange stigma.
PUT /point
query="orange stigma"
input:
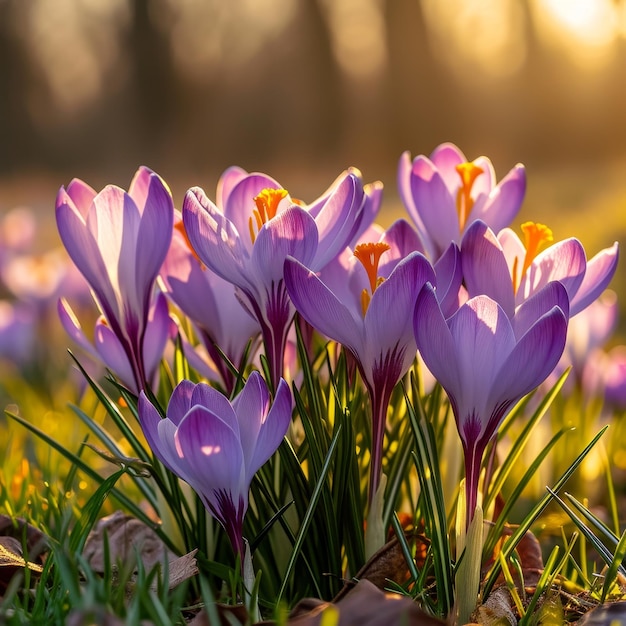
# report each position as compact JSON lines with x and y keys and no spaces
{"x":369,"y":255}
{"x":536,"y":236}
{"x":180,"y":227}
{"x":468,"y":172}
{"x":266,"y":207}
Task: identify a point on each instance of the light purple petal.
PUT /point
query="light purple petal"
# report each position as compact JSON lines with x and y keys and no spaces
{"x":437,"y":208}
{"x":445,"y":157}
{"x":553,"y":294}
{"x":251,"y":407}
{"x":154,"y":235}
{"x":319,"y":306}
{"x":505,"y":200}
{"x":226,"y":183}
{"x":214,"y":238}
{"x":291,"y":233}
{"x":211,"y":454}
{"x":72,"y":327}
{"x":211,"y":399}
{"x":338,"y":219}
{"x":160,"y":328}
{"x":405,"y":167}
{"x":388,"y":320}
{"x":449,"y":273}
{"x":484,"y":266}
{"x":113,"y":355}
{"x":435,"y":343}
{"x":239,"y":205}
{"x":180,"y":401}
{"x":402,"y":239}
{"x":139,"y":187}
{"x":600,"y":271}
{"x":533,"y":358}
{"x":82,"y":195}
{"x":564,"y":261}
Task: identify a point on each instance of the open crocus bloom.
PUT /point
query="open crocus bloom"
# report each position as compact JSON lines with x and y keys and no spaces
{"x":510,"y":271}
{"x":366,"y":306}
{"x":255,"y":225}
{"x":210,"y":302}
{"x":118,"y":241}
{"x":486,"y":362}
{"x":217,"y":446}
{"x":445,"y":193}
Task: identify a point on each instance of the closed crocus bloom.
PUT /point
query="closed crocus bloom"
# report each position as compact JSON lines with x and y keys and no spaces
{"x":109,"y":350}
{"x":445,"y":193}
{"x":366,"y":306}
{"x":217,"y":446}
{"x":254,"y":226}
{"x":118,"y":240}
{"x":510,"y":271}
{"x":486,"y":361}
{"x":210,"y":303}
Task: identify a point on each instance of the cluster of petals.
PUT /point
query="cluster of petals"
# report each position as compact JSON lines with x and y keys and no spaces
{"x":223,"y":237}
{"x":118,"y":240}
{"x":431,"y":189}
{"x":486,"y":361}
{"x":216,"y":445}
{"x":211,"y":304}
{"x":494,"y":265}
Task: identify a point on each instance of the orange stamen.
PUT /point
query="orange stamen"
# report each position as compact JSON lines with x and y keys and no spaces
{"x":536,"y":236}
{"x":369,"y":255}
{"x":468,"y":172}
{"x":180,"y":227}
{"x":266,"y":208}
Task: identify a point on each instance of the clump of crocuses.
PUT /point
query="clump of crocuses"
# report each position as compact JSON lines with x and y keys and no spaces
{"x":217,"y":446}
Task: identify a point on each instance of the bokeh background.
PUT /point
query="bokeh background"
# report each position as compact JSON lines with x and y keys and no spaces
{"x":304,"y":88}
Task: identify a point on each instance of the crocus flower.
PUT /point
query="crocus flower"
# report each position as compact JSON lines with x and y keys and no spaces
{"x":217,"y":446}
{"x":210,"y":303}
{"x":367,"y":309}
{"x":118,"y":241}
{"x":486,"y":361}
{"x":255,"y":225}
{"x":108,"y":349}
{"x":510,"y":271}
{"x":445,"y":193}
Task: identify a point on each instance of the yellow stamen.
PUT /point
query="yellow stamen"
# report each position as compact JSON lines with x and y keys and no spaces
{"x":369,"y":255}
{"x":266,"y":208}
{"x":468,"y":172}
{"x":536,"y":236}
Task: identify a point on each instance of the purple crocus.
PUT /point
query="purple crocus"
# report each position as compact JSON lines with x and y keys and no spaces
{"x":217,"y":446}
{"x":367,"y":308}
{"x":510,"y":271}
{"x":445,"y":193}
{"x":118,"y":241}
{"x":255,"y":225}
{"x":110,"y":350}
{"x":210,"y":302}
{"x":486,"y":361}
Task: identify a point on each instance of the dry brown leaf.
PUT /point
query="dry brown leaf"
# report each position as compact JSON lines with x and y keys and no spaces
{"x":387,"y":564}
{"x":366,"y":605}
{"x":497,"y":609}
{"x":228,"y":616}
{"x":127,"y":538}
{"x":13,"y":535}
{"x":181,"y":569}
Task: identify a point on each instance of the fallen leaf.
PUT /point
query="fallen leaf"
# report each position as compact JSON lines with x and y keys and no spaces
{"x":127,"y":538}
{"x":366,"y":605}
{"x":388,"y":564}
{"x":14,"y":534}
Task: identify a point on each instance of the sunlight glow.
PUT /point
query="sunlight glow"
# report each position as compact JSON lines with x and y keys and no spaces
{"x":585,"y":30}
{"x":487,"y":35}
{"x":358,"y":36}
